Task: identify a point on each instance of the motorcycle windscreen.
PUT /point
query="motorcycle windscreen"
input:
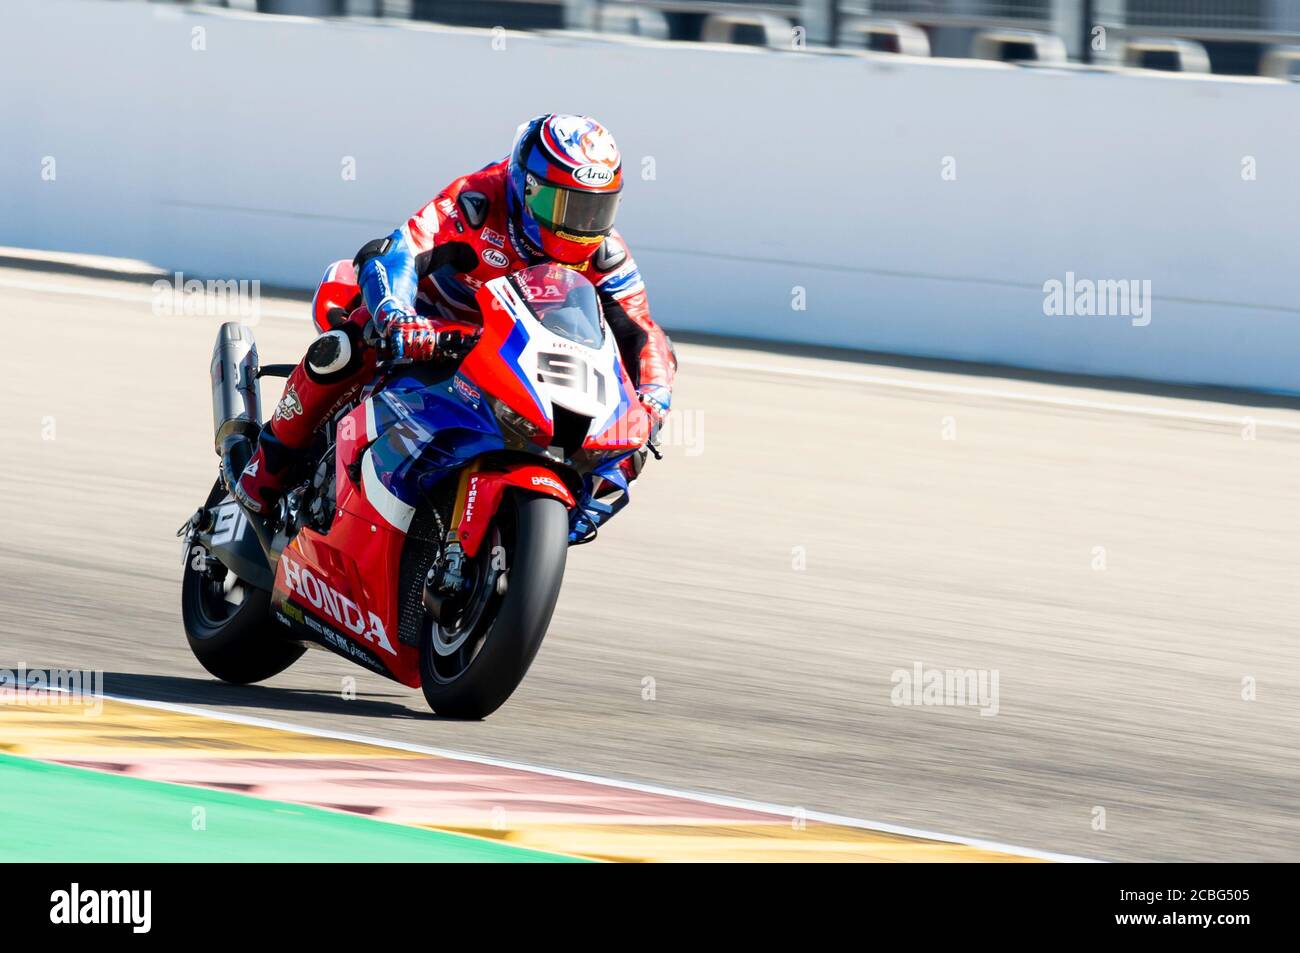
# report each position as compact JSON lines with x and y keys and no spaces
{"x":564,"y":301}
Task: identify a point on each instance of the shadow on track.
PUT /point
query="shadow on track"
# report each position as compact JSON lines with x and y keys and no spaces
{"x":203,"y":691}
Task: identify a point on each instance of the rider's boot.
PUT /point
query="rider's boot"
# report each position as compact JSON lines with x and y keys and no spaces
{"x":267,"y":472}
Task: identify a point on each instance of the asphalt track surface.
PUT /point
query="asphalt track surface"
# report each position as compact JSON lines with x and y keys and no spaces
{"x":811,"y":531}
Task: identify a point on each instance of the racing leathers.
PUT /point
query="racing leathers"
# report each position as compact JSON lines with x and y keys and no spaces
{"x":418,"y":287}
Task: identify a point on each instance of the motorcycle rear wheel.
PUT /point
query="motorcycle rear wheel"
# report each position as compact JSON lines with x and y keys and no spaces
{"x":228,"y":623}
{"x":470,"y":674}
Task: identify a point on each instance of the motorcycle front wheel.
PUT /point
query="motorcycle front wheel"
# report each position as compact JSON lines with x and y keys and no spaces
{"x":469,"y":669}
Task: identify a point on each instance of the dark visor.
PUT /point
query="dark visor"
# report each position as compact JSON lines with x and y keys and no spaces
{"x":561,"y":209}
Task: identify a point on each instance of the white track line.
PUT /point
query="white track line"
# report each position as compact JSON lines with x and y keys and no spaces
{"x":872,"y":380}
{"x":738,"y":803}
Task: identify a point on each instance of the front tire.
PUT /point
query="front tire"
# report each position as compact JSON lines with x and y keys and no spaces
{"x":228,"y":623}
{"x":534,"y":532}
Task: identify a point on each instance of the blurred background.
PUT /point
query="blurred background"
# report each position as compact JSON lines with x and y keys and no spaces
{"x":903,"y":176}
{"x":890,"y":451}
{"x":1222,"y":36}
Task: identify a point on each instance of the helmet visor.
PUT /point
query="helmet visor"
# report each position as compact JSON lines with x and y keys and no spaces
{"x":569,"y":210}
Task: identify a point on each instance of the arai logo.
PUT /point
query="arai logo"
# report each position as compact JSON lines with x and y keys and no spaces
{"x":594,"y":175}
{"x":497,"y":259}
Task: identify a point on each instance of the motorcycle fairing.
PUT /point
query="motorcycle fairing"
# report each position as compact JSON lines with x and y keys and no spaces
{"x":340,"y":589}
{"x":504,"y":362}
{"x":399,"y":442}
{"x":626,"y":428}
{"x":420,"y":433}
{"x":590,"y":513}
{"x":534,"y":370}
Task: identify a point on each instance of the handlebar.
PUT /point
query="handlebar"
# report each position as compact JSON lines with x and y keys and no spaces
{"x":449,"y":344}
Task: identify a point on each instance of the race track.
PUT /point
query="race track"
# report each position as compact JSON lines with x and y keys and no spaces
{"x":819,"y":522}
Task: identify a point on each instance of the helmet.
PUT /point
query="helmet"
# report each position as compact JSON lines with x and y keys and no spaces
{"x":565,"y":176}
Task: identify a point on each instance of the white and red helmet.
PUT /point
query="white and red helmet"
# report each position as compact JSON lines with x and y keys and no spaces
{"x":566,"y":176}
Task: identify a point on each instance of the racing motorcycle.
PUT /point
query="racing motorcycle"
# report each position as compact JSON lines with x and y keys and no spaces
{"x":427,"y":540}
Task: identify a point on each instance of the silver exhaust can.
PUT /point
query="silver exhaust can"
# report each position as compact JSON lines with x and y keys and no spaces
{"x":236,"y":393}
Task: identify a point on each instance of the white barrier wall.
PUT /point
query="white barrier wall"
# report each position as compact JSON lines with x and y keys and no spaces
{"x":752,"y":174}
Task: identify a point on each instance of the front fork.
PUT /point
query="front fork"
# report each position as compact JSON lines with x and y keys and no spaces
{"x":444,"y":583}
{"x":478,"y":495}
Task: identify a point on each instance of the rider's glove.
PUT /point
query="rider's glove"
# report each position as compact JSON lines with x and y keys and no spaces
{"x":656,"y":398}
{"x":411,"y":337}
{"x":418,"y":339}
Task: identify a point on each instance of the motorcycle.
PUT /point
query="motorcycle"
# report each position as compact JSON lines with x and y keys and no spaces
{"x":428,"y":542}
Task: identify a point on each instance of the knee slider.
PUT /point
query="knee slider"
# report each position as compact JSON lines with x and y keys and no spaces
{"x":331,"y":356}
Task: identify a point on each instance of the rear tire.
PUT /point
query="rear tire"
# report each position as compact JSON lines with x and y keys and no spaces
{"x":236,"y":642}
{"x":536,"y":541}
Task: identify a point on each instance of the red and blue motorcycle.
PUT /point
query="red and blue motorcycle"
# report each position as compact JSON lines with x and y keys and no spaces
{"x":429,"y":543}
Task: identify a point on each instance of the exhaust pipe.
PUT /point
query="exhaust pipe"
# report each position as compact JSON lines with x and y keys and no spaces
{"x":236,"y":395}
{"x":236,"y":399}
{"x":236,"y":423}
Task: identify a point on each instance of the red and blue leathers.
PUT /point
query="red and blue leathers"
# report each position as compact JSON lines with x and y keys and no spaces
{"x":419,"y":284}
{"x":433,"y":265}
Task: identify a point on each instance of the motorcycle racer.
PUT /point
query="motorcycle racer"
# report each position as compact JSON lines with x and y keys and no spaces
{"x":553,"y":198}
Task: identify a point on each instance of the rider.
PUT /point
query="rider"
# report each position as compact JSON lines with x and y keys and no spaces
{"x":553,"y":199}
